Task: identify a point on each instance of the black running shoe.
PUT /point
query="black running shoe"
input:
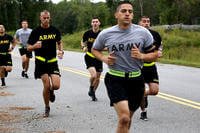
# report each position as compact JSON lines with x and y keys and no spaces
{"x":22,"y":73}
{"x":3,"y":85}
{"x":91,"y":93}
{"x":94,"y":98}
{"x":25,"y":75}
{"x":52,"y":96}
{"x":144,"y":116}
{"x":47,"y":110}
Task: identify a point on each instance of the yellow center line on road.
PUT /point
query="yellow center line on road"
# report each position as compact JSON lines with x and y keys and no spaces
{"x":165,"y":96}
{"x":78,"y":71}
{"x":75,"y":71}
{"x":177,"y":101}
{"x":180,"y":99}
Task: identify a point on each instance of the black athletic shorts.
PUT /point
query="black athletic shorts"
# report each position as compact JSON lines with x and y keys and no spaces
{"x":24,"y":51}
{"x":5,"y":60}
{"x":119,"y":89}
{"x":93,"y":62}
{"x":150,"y":74}
{"x":45,"y":68}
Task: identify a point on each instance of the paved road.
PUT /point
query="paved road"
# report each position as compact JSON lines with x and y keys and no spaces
{"x":175,"y":110}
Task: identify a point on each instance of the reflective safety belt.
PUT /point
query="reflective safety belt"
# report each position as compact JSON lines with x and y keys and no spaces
{"x":52,"y":60}
{"x":22,"y":46}
{"x":4,"y":53}
{"x":9,"y":62}
{"x":149,"y":64}
{"x":44,"y":60}
{"x":124,"y":74}
{"x":90,"y":54}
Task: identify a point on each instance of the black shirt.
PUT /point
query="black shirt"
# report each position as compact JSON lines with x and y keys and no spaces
{"x":48,"y":37}
{"x":157,"y":38}
{"x":5,"y":41}
{"x":89,"y":38}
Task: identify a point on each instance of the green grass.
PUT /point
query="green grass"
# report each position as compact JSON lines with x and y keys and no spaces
{"x":72,"y":41}
{"x":181,"y":47}
{"x":179,"y":62}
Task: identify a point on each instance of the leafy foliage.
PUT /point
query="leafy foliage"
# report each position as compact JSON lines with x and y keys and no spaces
{"x":75,"y":15}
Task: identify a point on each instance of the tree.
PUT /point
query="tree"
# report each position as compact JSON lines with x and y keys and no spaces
{"x":178,"y":11}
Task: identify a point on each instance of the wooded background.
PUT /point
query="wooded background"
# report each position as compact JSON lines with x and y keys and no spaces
{"x":75,"y":15}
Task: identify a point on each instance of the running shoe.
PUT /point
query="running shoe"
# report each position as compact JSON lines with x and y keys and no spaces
{"x":22,"y":74}
{"x":144,"y":116}
{"x":94,"y":98}
{"x":25,"y":75}
{"x":47,"y":110}
{"x":3,"y":85}
{"x":91,"y":93}
{"x":52,"y":96}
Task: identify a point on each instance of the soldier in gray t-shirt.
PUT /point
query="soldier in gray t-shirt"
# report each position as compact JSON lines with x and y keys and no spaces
{"x":127,"y":45}
{"x":22,"y":36}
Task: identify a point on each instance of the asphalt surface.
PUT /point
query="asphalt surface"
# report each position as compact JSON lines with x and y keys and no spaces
{"x":175,"y":110}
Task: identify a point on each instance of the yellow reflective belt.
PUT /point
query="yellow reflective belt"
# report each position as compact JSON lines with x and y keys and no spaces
{"x":123,"y":74}
{"x":3,"y":53}
{"x":116,"y":73}
{"x":134,"y":74}
{"x":43,"y":59}
{"x":40,"y":58}
{"x":9,"y":62}
{"x":20,"y":46}
{"x":52,"y":60}
{"x":90,"y":54}
{"x":149,"y":64}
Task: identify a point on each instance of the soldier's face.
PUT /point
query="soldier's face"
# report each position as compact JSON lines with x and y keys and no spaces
{"x":145,"y":22}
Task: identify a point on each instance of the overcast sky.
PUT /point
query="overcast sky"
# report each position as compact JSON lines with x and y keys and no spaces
{"x":56,"y":1}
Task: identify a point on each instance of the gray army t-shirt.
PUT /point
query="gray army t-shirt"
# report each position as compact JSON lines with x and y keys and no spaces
{"x":120,"y":42}
{"x":23,"y":35}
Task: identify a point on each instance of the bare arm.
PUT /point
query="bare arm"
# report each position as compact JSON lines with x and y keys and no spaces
{"x":84,"y":46}
{"x":13,"y":44}
{"x":60,"y":50}
{"x":160,"y":51}
{"x":17,"y":39}
{"x":135,"y":53}
{"x":109,"y":60}
{"x":37,"y":45}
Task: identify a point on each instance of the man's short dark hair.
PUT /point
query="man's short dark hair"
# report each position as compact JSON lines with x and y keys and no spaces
{"x":24,"y":20}
{"x":123,"y":2}
{"x":145,"y":17}
{"x":95,"y":17}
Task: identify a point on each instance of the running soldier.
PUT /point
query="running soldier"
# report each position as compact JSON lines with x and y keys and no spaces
{"x":21,"y":37}
{"x":127,"y":44}
{"x":149,"y":69}
{"x":43,"y":41}
{"x":7,"y":44}
{"x":93,"y":65}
